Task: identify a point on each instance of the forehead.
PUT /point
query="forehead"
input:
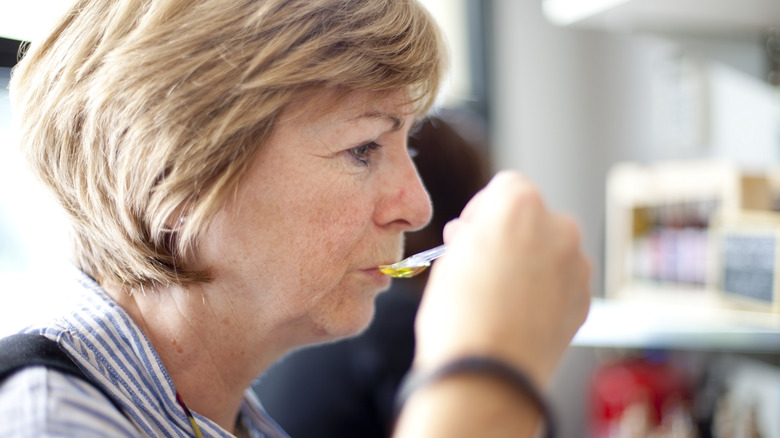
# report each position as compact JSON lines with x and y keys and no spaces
{"x":331,"y":107}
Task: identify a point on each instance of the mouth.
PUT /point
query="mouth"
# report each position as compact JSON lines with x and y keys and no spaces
{"x":376,"y":275}
{"x":382,"y":259}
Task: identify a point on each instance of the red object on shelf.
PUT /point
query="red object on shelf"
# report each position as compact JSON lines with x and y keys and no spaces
{"x":635,"y":393}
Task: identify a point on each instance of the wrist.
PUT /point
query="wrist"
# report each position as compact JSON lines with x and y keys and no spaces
{"x":430,"y":356}
{"x":509,"y":377}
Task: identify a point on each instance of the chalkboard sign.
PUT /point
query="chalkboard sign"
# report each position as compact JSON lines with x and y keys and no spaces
{"x":748,"y":266}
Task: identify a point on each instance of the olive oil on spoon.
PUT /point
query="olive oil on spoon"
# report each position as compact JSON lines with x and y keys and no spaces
{"x":413,"y":265}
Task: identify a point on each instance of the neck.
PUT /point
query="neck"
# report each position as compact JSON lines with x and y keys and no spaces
{"x":204,"y":349}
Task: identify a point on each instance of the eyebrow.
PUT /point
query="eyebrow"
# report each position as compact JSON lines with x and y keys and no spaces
{"x":394,"y":120}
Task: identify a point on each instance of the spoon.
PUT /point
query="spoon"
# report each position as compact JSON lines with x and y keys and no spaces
{"x":413,"y":265}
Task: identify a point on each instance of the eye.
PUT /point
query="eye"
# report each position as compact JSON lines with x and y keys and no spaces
{"x":362,"y":154}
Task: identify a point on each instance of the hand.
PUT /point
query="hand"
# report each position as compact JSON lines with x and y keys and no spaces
{"x":513,"y":284}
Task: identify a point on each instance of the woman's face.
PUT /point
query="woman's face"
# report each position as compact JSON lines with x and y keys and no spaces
{"x":324,"y":202}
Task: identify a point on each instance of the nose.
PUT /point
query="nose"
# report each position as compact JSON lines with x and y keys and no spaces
{"x":405,"y":203}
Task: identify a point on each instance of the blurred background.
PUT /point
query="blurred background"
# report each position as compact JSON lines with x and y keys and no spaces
{"x":655,"y":123}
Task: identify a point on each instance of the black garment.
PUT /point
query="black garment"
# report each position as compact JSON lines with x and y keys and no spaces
{"x":22,"y":350}
{"x":26,"y":349}
{"x":346,"y":388}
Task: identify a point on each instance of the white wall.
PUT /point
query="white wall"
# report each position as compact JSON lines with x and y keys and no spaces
{"x":33,"y":236}
{"x":566,"y":105}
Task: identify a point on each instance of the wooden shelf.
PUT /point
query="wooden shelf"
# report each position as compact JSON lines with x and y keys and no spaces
{"x":689,"y":324}
{"x":722,"y":17}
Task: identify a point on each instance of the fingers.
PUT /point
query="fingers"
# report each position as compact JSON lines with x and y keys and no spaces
{"x":514,"y":281}
{"x":500,"y":207}
{"x":503,"y":185}
{"x":450,"y":230}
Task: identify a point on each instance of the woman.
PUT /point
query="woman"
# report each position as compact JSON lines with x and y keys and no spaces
{"x":348,"y":388}
{"x":235,"y":171}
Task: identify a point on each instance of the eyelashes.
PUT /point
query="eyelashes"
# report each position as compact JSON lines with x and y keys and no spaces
{"x":364,"y":153}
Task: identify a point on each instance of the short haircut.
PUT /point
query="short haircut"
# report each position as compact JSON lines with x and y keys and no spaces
{"x":137,"y":112}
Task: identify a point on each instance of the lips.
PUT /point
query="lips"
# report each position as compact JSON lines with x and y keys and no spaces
{"x":377,"y":276}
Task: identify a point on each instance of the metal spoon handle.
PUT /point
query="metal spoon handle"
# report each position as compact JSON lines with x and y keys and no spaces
{"x":428,"y":255}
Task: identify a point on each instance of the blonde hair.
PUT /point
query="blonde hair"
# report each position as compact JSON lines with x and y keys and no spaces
{"x":137,"y":113}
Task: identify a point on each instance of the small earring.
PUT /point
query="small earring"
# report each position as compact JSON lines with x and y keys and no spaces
{"x":182,"y":220}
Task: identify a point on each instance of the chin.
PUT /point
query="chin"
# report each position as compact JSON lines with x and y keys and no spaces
{"x":348,"y":310}
{"x":346,"y":322}
{"x":357,"y":322}
{"x":362,"y":325}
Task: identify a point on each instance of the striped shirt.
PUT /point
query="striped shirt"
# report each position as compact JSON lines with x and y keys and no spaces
{"x":111,"y":349}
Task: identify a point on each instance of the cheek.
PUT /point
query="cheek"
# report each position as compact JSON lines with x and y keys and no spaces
{"x":331,"y":240}
{"x":301,"y":222}
{"x":337,"y":224}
